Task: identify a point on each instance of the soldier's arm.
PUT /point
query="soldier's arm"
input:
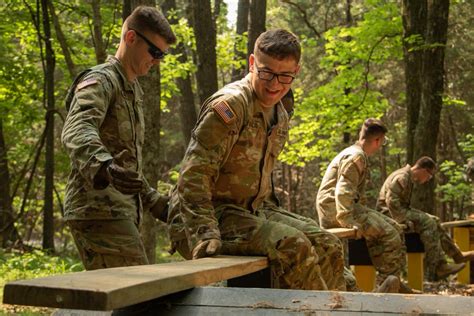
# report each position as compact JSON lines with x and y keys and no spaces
{"x":395,"y":201}
{"x":346,"y":195}
{"x":80,"y":135}
{"x":211,"y":141}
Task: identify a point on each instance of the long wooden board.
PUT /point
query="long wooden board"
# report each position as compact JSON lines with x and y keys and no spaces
{"x":342,"y":232}
{"x":252,"y":301}
{"x":108,"y":289}
{"x":465,"y":222}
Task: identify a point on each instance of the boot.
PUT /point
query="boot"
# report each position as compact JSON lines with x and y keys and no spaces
{"x":464,"y":256}
{"x":390,"y":285}
{"x":447,"y":269}
{"x":405,"y":289}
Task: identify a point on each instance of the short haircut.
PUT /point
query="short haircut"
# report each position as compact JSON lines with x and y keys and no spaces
{"x":372,"y":128}
{"x":145,"y":18}
{"x":425,"y":162}
{"x":279,"y":44}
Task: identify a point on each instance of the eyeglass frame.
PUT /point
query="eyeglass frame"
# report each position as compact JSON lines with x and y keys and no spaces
{"x":153,"y":50}
{"x":273,"y":75}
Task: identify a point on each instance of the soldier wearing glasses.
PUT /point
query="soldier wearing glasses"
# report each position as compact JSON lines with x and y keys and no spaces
{"x":103,"y":135}
{"x":224,"y":200}
{"x":394,"y":201}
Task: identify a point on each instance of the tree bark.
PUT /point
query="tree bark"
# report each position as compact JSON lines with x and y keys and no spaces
{"x":414,"y":15}
{"x":426,"y":135}
{"x":241,"y":28}
{"x":187,"y":108}
{"x":257,"y":17}
{"x":100,"y":52}
{"x":205,"y":34}
{"x":62,"y":41}
{"x":48,"y":209}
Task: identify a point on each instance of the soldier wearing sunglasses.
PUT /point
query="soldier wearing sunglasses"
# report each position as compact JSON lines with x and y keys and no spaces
{"x":103,"y":134}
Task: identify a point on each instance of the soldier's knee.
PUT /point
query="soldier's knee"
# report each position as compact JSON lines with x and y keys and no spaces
{"x":295,"y":249}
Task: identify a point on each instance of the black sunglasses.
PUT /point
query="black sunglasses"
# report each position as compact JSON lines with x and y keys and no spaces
{"x":154,"y":51}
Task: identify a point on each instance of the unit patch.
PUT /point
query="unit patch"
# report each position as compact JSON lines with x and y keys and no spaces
{"x":86,"y":83}
{"x":225,"y":112}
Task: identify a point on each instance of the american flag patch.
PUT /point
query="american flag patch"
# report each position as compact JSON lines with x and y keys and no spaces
{"x":86,"y":83}
{"x":225,"y":112}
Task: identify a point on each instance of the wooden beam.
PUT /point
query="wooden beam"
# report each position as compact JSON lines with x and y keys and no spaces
{"x":466,"y":222}
{"x":113,"y":288}
{"x":343,"y":232}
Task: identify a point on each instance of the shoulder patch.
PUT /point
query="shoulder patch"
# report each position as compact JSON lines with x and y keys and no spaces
{"x":86,"y":83}
{"x":360,"y":163}
{"x":225,"y":112}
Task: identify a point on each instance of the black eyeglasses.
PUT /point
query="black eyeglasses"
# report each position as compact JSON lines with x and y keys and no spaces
{"x":268,"y":76}
{"x":154,"y":51}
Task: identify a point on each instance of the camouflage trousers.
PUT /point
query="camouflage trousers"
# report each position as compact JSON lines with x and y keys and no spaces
{"x":108,"y":243}
{"x":435,"y":238}
{"x":301,"y":255}
{"x":385,"y":242}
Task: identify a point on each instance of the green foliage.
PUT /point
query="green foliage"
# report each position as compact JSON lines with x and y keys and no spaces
{"x":350,"y":94}
{"x":456,"y":188}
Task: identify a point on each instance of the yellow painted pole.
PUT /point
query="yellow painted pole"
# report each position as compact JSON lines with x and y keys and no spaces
{"x":365,"y":276}
{"x":415,"y":270}
{"x":461,"y":237}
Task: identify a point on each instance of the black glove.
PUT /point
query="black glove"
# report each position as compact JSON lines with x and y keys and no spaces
{"x":207,"y":248}
{"x":160,"y":209}
{"x":124,"y":180}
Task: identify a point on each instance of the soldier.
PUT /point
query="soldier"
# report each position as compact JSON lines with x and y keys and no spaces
{"x":103,"y":134}
{"x":224,"y":200}
{"x":394,"y":201}
{"x":340,"y":202}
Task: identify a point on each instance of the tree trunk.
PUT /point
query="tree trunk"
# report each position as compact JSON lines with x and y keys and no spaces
{"x":414,"y":14}
{"x":241,"y":28}
{"x":152,"y":112}
{"x":62,"y":41}
{"x":257,"y":16}
{"x":8,"y":232}
{"x":187,"y":108}
{"x":48,"y":210}
{"x":205,"y":33}
{"x":99,"y":47}
{"x":426,"y":135}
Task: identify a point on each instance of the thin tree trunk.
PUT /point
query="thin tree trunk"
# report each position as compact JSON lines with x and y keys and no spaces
{"x":241,"y":28}
{"x":100,"y":52}
{"x":187,"y":108}
{"x":205,"y":33}
{"x":48,"y":210}
{"x":62,"y":41}
{"x":426,"y":135}
{"x":414,"y":14}
{"x":257,"y":20}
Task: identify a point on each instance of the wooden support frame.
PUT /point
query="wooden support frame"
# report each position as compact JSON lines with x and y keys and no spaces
{"x":462,"y":239}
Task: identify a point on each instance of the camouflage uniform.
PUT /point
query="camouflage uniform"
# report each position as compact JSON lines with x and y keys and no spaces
{"x":225,"y":192}
{"x":340,"y":203}
{"x":104,"y":122}
{"x":394,"y":201}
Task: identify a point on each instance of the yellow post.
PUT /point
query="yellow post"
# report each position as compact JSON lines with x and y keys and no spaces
{"x":365,"y":276}
{"x":461,"y":237}
{"x":415,"y":270}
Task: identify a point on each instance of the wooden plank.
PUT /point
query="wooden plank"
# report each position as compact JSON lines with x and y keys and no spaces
{"x":108,"y":289}
{"x":465,"y":222}
{"x":461,"y":238}
{"x":343,"y":232}
{"x":365,"y":277}
{"x":253,"y":301}
{"x":415,"y":270}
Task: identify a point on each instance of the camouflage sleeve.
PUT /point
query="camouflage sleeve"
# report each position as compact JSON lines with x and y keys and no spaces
{"x":211,"y":142}
{"x":148,"y":195}
{"x":346,"y":194}
{"x":394,"y":200}
{"x":80,"y":135}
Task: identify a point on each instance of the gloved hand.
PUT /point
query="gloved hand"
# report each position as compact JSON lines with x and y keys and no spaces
{"x":160,"y":209}
{"x":358,"y":232}
{"x":124,"y":180}
{"x":207,"y":248}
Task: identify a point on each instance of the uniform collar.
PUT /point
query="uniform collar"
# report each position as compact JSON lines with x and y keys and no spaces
{"x":128,"y":86}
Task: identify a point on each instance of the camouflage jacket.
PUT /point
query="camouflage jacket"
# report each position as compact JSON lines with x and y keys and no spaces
{"x":395,"y":195}
{"x":342,"y":190}
{"x":104,"y":122}
{"x":229,"y":160}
